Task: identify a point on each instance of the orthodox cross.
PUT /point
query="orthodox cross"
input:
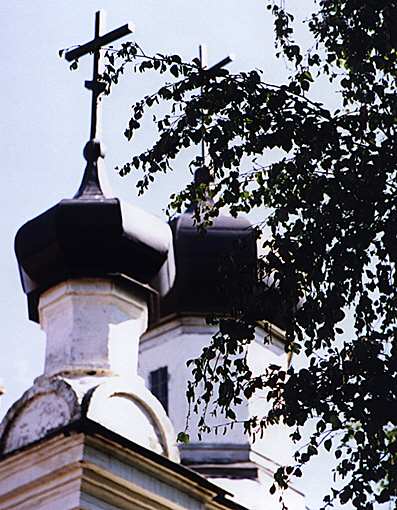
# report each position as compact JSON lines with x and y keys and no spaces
{"x":203,"y":58}
{"x":91,"y":184}
{"x":97,"y":86}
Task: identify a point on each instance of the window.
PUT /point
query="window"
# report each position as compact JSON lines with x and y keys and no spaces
{"x":158,"y":381}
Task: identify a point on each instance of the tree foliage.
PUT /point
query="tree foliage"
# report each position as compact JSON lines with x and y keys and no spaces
{"x":330,"y":195}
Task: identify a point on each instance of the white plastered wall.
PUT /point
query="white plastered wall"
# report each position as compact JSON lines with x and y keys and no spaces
{"x":179,"y":340}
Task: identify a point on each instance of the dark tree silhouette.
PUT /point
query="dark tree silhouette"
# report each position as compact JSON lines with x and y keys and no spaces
{"x":330,"y":194}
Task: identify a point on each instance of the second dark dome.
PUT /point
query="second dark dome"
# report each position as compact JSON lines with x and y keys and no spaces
{"x":204,"y":261}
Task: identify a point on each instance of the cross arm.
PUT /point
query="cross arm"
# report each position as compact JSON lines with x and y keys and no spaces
{"x":98,"y":42}
{"x":216,"y":67}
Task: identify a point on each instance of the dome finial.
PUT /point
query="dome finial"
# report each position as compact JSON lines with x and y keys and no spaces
{"x":90,"y":184}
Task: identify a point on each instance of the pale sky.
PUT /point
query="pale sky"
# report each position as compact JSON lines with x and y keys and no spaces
{"x":44,"y":125}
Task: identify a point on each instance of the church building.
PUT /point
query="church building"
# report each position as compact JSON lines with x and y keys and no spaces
{"x":122,"y":298}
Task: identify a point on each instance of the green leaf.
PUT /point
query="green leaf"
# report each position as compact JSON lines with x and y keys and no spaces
{"x":298,"y":473}
{"x":183,"y":438}
{"x":174,"y":70}
{"x":308,"y":76}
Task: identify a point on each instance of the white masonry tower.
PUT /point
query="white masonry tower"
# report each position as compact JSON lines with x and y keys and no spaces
{"x":89,"y":435}
{"x":232,"y":460}
{"x":97,"y":430}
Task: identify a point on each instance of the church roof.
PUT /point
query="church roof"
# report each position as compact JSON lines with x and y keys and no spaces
{"x":92,"y":235}
{"x":206,"y":261}
{"x":216,"y":272}
{"x":189,"y":479}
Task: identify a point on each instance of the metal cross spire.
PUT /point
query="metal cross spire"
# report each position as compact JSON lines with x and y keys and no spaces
{"x":203,"y":173}
{"x":91,"y":183}
{"x":203,"y":56}
{"x":96,"y":86}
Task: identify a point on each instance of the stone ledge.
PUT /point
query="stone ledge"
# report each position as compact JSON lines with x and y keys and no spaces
{"x":78,"y":462}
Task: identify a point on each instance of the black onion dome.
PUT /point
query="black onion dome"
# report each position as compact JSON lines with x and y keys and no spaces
{"x":92,"y":235}
{"x":210,"y":265}
{"x":216,"y":272}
